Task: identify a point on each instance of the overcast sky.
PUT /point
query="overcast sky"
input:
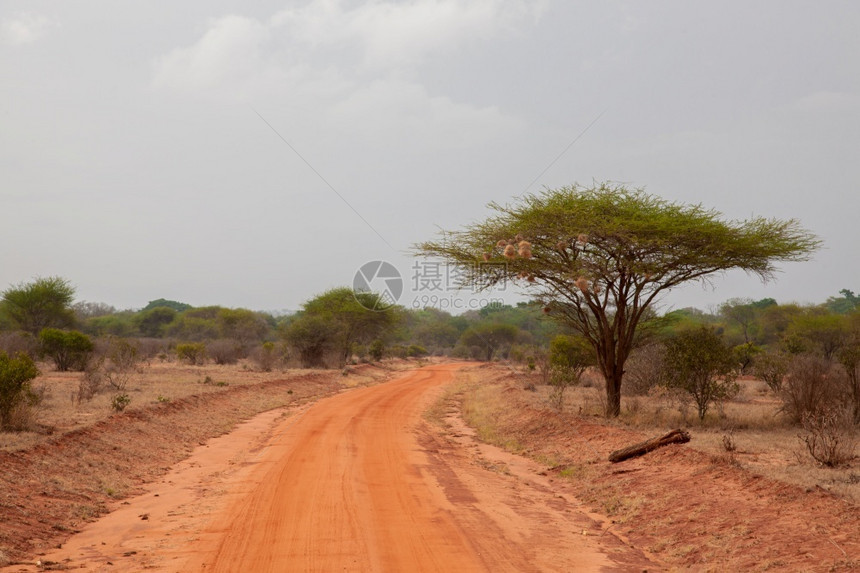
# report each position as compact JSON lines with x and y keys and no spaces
{"x":139,"y":156}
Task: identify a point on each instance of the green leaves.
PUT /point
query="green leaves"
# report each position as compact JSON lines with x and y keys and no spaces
{"x":15,"y":375}
{"x":699,"y":363}
{"x":69,"y":349}
{"x":599,"y":257}
{"x":42,"y":303}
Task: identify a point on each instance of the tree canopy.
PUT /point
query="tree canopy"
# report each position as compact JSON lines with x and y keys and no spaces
{"x":598,"y":258}
{"x":334,"y":321}
{"x":45,"y":302}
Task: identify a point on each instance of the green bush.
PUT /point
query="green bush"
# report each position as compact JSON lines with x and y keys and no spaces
{"x":193,"y":352}
{"x":69,"y":349}
{"x":225,"y":351}
{"x":376,"y":350}
{"x":120,"y":401}
{"x":698,"y":362}
{"x":15,"y":389}
{"x":416,"y":351}
{"x":569,"y":357}
{"x":265,"y":356}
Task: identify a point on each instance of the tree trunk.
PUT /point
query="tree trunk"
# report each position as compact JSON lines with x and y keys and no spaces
{"x":673,"y":437}
{"x":613,"y":395}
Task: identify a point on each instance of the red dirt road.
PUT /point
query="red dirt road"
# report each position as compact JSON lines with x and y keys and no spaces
{"x":350,"y":490}
{"x":347,"y":494}
{"x":356,"y":482}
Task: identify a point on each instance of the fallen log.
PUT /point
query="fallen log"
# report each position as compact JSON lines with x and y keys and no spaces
{"x":673,"y":437}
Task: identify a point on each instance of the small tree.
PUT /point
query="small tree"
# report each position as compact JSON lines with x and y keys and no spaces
{"x":819,"y":332}
{"x":376,"y":350}
{"x":772,"y":368}
{"x":812,"y":387}
{"x":151,"y":322}
{"x":43,"y":303}
{"x":15,"y":389}
{"x":69,"y":349}
{"x":699,"y":363}
{"x":490,"y":337}
{"x":225,"y":351}
{"x":192,"y":352}
{"x":849,"y":357}
{"x":745,"y":355}
{"x":265,"y":356}
{"x":336,"y":320}
{"x":645,"y":369}
{"x":114,"y":368}
{"x":313,"y":337}
{"x":569,"y":357}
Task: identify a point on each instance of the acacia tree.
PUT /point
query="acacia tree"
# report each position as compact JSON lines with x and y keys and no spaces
{"x":45,"y":302}
{"x":699,"y":363}
{"x":334,"y":321}
{"x":600,"y":257}
{"x":490,"y":337}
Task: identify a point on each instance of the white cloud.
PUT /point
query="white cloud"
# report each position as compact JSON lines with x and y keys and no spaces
{"x":825,"y":101}
{"x":26,"y":28}
{"x":341,"y":65}
{"x":228,"y":51}
{"x":391,"y":34}
{"x":371,"y":38}
{"x":405,"y":112}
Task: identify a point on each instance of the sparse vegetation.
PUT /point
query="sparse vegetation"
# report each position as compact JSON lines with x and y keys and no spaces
{"x":16,"y":393}
{"x":69,"y":349}
{"x":43,"y":303}
{"x":811,"y":387}
{"x":701,"y":365}
{"x":569,"y":357}
{"x":192,"y":352}
{"x":119,"y":402}
{"x":829,"y":437}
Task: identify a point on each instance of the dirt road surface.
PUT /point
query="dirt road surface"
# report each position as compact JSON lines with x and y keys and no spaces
{"x":356,"y":482}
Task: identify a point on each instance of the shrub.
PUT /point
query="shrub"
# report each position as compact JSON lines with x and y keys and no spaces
{"x":91,"y":383}
{"x":811,"y":387}
{"x":13,"y":343}
{"x":69,"y":349}
{"x":193,"y":352}
{"x":829,"y":438}
{"x":460,"y":351}
{"x":745,"y":355}
{"x":120,"y":401}
{"x":376,"y":350}
{"x":849,"y":358}
{"x":700,"y":364}
{"x":397,"y":351}
{"x":644,"y":370}
{"x":224,"y":351}
{"x":416,"y":351}
{"x":265,"y":356}
{"x":569,"y":356}
{"x":114,"y":368}
{"x":149,"y":348}
{"x":772,"y":368}
{"x":15,"y":390}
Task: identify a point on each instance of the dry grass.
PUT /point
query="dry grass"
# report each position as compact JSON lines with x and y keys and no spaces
{"x":705,"y":506}
{"x":765,"y":440}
